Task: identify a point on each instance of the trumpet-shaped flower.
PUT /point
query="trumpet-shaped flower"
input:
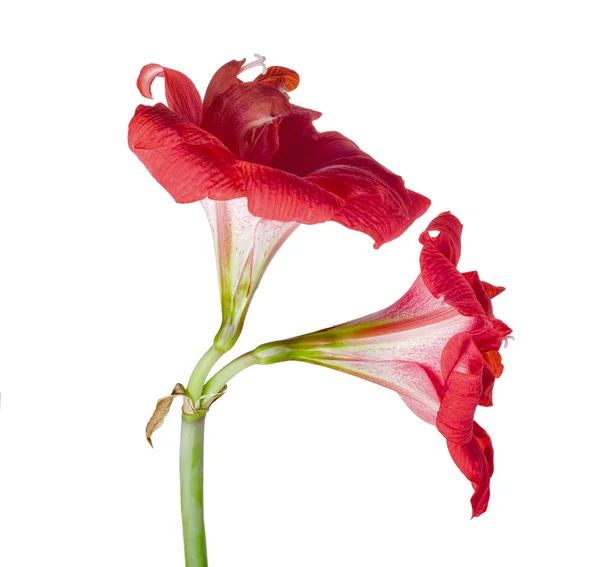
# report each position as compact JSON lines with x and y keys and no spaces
{"x":260,"y":168}
{"x":437,"y":347}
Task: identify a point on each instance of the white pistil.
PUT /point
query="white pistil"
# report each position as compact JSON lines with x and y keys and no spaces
{"x":505,"y":341}
{"x":258,"y":62}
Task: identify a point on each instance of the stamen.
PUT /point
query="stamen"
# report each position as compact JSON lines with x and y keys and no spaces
{"x":258,"y":62}
{"x":505,"y":341}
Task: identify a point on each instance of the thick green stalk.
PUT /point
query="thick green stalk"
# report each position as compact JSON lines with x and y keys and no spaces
{"x":191,"y":467}
{"x":191,"y":473}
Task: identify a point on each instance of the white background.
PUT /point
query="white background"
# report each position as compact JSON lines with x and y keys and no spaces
{"x":109,"y":294}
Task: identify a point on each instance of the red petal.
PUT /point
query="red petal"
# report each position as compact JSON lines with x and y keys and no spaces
{"x":488,"y":381}
{"x":262,"y":143}
{"x":281,"y":78}
{"x":239,"y":110}
{"x":375,"y":200}
{"x":482,"y":293}
{"x":492,"y":369}
{"x":182,"y":96}
{"x":188,"y":162}
{"x":447,"y":242}
{"x":492,"y":290}
{"x":476,"y":461}
{"x":146,"y":78}
{"x":469,"y":445}
{"x":297,"y":137}
{"x":438,"y":266}
{"x":277,"y":195}
{"x":383,"y":221}
{"x":225,"y":78}
{"x":494,"y":360}
{"x":462,"y":368}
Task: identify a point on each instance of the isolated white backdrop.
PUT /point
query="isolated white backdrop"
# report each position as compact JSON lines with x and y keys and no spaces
{"x":109,"y":292}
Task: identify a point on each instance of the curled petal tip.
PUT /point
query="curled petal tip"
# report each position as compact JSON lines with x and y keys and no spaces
{"x":147,"y":75}
{"x":182,"y":96}
{"x":443,"y":233}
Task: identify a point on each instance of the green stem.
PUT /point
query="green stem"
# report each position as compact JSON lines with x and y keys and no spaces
{"x":191,"y":472}
{"x":191,"y":465}
{"x":216,"y":383}
{"x":200,"y":372}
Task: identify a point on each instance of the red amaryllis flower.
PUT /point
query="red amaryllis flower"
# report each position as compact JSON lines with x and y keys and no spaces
{"x":247,"y":143}
{"x":247,"y":140}
{"x":437,"y":347}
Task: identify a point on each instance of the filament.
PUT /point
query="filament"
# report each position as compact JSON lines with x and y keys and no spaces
{"x":258,"y":62}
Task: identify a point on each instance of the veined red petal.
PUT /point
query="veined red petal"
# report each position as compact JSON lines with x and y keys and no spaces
{"x":488,"y":381}
{"x":482,"y":293}
{"x":375,"y":200}
{"x":188,"y":162}
{"x":182,"y":95}
{"x":297,"y":137}
{"x":469,"y":445}
{"x":225,"y":78}
{"x":282,"y":196}
{"x":242,"y":108}
{"x":462,"y":368}
{"x":476,"y":461}
{"x":386,"y":222}
{"x":447,"y":242}
{"x":280,"y":77}
{"x":439,"y":272}
{"x":261,"y":143}
{"x":245,"y":116}
{"x":465,"y":292}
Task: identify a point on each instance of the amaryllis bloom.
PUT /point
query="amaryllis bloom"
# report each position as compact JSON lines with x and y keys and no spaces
{"x":437,"y":347}
{"x":260,"y":168}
